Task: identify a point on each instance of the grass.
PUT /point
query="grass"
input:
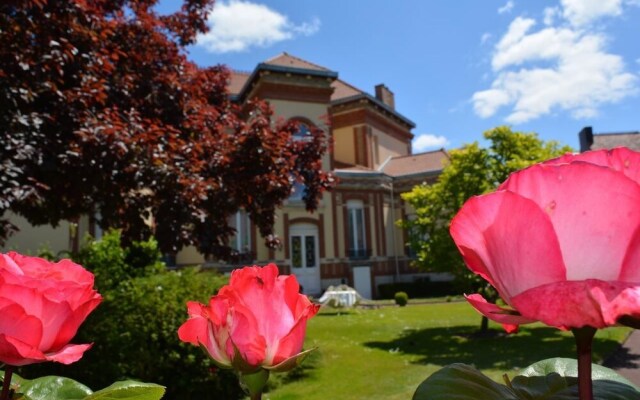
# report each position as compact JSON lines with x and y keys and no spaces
{"x":385,"y":353}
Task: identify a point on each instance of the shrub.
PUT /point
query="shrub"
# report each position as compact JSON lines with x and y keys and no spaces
{"x":135,"y":336}
{"x":401,"y":298}
{"x":111,"y":263}
{"x":134,"y":330}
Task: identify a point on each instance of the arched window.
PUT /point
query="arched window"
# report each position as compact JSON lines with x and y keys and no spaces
{"x":305,"y":126}
{"x":303,"y":129}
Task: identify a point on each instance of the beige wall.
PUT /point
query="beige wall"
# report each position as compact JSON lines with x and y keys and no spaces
{"x":388,"y":146}
{"x":189,"y":256}
{"x":343,"y":144}
{"x":391,"y":230}
{"x":30,"y":239}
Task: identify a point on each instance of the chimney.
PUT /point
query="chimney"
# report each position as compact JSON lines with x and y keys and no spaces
{"x":586,"y":138}
{"x":385,"y":95}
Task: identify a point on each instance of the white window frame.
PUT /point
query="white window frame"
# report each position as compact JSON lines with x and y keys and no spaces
{"x":241,"y":241}
{"x":356,"y":232}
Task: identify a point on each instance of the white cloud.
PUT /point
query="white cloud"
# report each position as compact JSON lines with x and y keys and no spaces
{"x":238,"y":25}
{"x":558,"y":67}
{"x":485,"y":37}
{"x":550,"y":14}
{"x":506,"y":8}
{"x":427,"y":141}
{"x":582,"y":12}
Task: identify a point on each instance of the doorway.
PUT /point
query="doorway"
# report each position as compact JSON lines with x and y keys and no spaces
{"x":305,"y":257}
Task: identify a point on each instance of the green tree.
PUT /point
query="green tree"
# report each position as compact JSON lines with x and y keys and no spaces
{"x":472,"y":170}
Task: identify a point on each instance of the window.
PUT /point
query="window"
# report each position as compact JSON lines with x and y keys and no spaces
{"x":303,"y":130}
{"x":356,"y":230}
{"x":297,"y":191}
{"x":305,"y":126}
{"x":241,"y":241}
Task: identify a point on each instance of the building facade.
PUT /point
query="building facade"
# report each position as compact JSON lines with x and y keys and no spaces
{"x":352,"y":238}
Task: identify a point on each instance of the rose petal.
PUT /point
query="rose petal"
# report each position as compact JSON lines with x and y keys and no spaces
{"x":69,"y":353}
{"x":15,"y":322}
{"x":269,"y":298}
{"x":245,"y":336}
{"x":574,"y":304}
{"x":630,"y":271}
{"x":509,"y":241}
{"x":70,"y":325}
{"x":7,"y":263}
{"x":206,"y":328}
{"x":619,"y":159}
{"x":509,"y":319}
{"x":590,"y":207}
{"x":16,"y":352}
{"x":292,"y":343}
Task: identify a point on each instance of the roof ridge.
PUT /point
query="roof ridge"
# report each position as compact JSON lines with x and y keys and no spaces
{"x":238,"y":71}
{"x":441,"y":149}
{"x":284,"y":53}
{"x":618,"y":133}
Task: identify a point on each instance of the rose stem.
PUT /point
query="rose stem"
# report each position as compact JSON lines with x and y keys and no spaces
{"x":584,"y":338}
{"x":6,"y":383}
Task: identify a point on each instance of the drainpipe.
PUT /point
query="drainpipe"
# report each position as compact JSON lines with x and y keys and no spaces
{"x":393,"y":232}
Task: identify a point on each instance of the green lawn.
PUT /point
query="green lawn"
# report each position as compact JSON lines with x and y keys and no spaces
{"x":385,"y":353}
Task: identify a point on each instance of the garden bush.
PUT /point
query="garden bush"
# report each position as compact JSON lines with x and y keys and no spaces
{"x":111,"y":263}
{"x":401,"y":299}
{"x":418,"y":289}
{"x":134,"y":330}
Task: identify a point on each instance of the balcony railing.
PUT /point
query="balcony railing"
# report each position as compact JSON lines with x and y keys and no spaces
{"x":359,"y":254}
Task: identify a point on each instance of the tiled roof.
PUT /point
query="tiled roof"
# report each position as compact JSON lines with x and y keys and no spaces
{"x":287,"y":60}
{"x":237,"y":79}
{"x":611,"y":140}
{"x":342,"y":89}
{"x":432,"y":161}
{"x":343,"y":92}
{"x":355,"y":168}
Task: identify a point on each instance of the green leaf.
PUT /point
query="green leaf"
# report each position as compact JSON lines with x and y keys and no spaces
{"x":556,"y":379}
{"x":569,"y":367}
{"x":461,"y":382}
{"x":15,"y":378}
{"x":556,"y":387}
{"x":544,"y":380}
{"x":129,"y":390}
{"x":53,"y":388}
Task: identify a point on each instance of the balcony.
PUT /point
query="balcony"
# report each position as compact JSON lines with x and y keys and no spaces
{"x":359,"y":254}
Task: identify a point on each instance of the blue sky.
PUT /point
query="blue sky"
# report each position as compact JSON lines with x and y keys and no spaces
{"x":456,"y":68}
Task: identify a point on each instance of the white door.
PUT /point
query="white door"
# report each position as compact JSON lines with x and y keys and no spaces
{"x":305,"y":257}
{"x":362,"y":281}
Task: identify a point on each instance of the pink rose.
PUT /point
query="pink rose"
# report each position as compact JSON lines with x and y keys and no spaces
{"x":42,"y":304}
{"x":256,"y":321}
{"x":560,"y":241}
